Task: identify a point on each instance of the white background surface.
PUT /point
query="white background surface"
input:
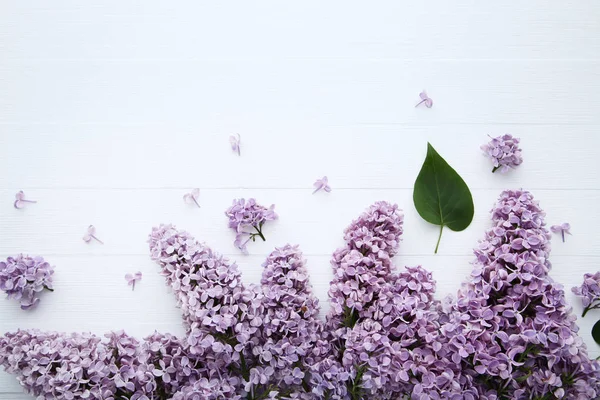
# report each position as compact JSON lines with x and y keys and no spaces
{"x":111,"y":111}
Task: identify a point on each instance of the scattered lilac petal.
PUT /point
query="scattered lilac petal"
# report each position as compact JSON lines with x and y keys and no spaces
{"x":426,"y":100}
{"x":562,"y":229}
{"x":21,"y":201}
{"x":91,"y":234}
{"x":322,"y":184}
{"x":235,"y":143}
{"x":192,"y":197}
{"x":132,"y":279}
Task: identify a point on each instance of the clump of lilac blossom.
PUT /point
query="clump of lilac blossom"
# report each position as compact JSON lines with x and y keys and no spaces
{"x":504,"y":152}
{"x":381,"y":334}
{"x":246,"y":218}
{"x":23,"y":278}
{"x":589,"y":291}
{"x":509,"y":334}
{"x":510,"y":330}
{"x":84,"y":366}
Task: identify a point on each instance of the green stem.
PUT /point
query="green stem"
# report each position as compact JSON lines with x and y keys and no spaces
{"x":243,"y":367}
{"x":260,"y":233}
{"x":495,"y":169}
{"x":585,"y":311}
{"x":439,"y":238}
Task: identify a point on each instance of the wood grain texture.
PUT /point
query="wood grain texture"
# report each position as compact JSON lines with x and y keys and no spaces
{"x":111,"y":110}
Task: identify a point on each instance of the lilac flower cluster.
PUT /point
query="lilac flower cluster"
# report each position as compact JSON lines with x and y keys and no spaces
{"x":510,"y":328}
{"x":504,"y":151}
{"x":23,"y":278}
{"x":508,"y":335}
{"x":83,"y":366}
{"x":247,"y":218}
{"x":589,"y":291}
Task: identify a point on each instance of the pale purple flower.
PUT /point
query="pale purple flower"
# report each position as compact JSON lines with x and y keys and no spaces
{"x":562,"y":229}
{"x":23,"y":278}
{"x":192,"y":197}
{"x":322,"y":184}
{"x":589,"y":292}
{"x":508,"y":335}
{"x":234,"y":140}
{"x":504,"y":152}
{"x":133,"y":278}
{"x":91,"y":234}
{"x":21,"y":201}
{"x":247,"y":219}
{"x":426,"y":100}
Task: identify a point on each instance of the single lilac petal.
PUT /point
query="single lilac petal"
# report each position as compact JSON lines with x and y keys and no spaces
{"x":192,"y":197}
{"x":20,"y":200}
{"x":322,"y":184}
{"x":235,"y":143}
{"x":133,"y":278}
{"x":91,"y":234}
{"x":563,"y":229}
{"x":426,"y":100}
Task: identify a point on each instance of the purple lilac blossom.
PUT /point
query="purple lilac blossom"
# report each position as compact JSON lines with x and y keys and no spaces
{"x":589,"y":291}
{"x":425,"y":99}
{"x":510,"y":329}
{"x":509,"y":334}
{"x":20,"y":200}
{"x":562,"y":229}
{"x":247,"y":218}
{"x":23,"y":278}
{"x":234,"y":140}
{"x":504,"y":152}
{"x":322,"y":184}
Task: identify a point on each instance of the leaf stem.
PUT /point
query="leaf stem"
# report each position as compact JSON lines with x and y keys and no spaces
{"x":439,"y":238}
{"x":495,"y":169}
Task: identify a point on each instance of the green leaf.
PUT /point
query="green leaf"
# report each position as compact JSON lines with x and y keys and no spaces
{"x":596,"y":332}
{"x":441,"y":196}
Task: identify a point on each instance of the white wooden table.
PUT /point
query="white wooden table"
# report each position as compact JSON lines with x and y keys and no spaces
{"x":111,"y":110}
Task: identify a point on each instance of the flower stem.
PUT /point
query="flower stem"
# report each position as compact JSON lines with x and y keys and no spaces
{"x":260,"y":233}
{"x":439,"y":238}
{"x":495,"y":169}
{"x":585,"y":311}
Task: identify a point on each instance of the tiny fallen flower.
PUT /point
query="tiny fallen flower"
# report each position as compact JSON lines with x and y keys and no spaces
{"x":562,"y":229}
{"x":192,"y":197}
{"x":91,"y":234}
{"x":589,"y":291}
{"x":425,"y":100}
{"x":132,"y":279}
{"x":20,"y":200}
{"x":235,"y":143}
{"x":323,"y":184}
{"x":504,"y":152}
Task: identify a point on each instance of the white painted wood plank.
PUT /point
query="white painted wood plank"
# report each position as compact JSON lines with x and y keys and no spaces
{"x":14,"y":395}
{"x":433,"y":29}
{"x":91,"y":294}
{"x":322,"y":91}
{"x":124,"y":218}
{"x":280,"y":155}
